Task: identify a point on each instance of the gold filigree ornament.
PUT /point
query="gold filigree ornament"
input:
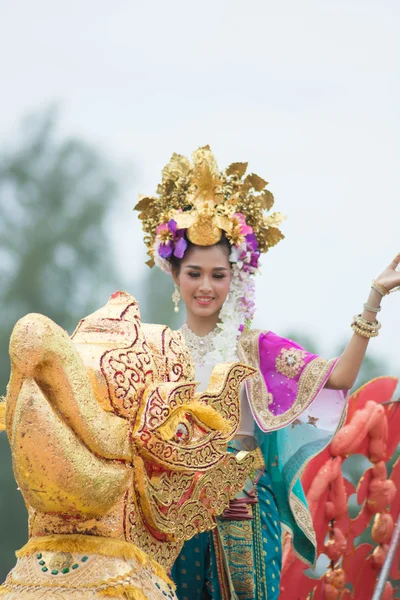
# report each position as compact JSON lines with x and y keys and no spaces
{"x":204,"y":201}
{"x":118,"y":458}
{"x":290,"y":361}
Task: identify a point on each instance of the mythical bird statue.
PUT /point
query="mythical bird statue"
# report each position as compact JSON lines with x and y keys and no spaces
{"x":119,"y":460}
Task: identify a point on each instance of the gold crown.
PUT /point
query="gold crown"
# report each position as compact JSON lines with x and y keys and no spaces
{"x":204,"y":201}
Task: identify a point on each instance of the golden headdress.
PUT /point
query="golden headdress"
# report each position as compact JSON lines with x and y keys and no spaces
{"x":205,"y":202}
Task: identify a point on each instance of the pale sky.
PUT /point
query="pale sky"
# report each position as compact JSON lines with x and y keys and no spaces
{"x":306,"y":91}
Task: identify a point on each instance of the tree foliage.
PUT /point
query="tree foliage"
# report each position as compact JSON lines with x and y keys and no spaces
{"x":155,"y":301}
{"x":55,"y":258}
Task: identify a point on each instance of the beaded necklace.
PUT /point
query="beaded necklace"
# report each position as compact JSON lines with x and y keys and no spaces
{"x":199,"y":346}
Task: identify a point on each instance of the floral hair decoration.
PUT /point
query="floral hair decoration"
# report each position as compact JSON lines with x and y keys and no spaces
{"x":196,"y":202}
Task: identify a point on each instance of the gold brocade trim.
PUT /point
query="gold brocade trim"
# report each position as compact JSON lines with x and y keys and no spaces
{"x":303,"y":517}
{"x":258,"y":395}
{"x":221,"y":566}
{"x":261,"y":583}
{"x":238,"y":547}
{"x":310,"y":381}
{"x":293,"y":500}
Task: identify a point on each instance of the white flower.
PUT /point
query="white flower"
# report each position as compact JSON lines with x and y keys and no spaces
{"x":236,"y":252}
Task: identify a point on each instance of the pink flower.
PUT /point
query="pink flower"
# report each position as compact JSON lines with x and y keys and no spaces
{"x":244,"y":229}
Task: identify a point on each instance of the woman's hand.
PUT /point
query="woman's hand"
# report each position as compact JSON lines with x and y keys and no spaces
{"x":345,"y":373}
{"x":390,"y":278}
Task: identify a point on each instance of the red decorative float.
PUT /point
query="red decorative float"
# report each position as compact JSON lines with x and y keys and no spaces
{"x":372,"y":429}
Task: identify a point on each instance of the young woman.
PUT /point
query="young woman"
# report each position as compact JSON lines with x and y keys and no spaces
{"x":208,"y":228}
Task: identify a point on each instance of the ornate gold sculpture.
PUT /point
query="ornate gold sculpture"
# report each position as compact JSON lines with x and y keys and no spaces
{"x":205,"y":202}
{"x":119,"y":460}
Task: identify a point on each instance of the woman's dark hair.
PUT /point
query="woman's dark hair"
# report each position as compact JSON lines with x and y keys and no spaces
{"x":176,"y":262}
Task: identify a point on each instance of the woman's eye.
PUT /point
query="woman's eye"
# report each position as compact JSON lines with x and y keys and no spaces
{"x":194,"y":274}
{"x":218,"y":276}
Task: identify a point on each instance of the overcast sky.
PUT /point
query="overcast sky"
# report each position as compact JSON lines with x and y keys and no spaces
{"x":306,"y":91}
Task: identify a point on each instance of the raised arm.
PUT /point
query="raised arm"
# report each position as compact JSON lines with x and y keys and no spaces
{"x":364,"y":326}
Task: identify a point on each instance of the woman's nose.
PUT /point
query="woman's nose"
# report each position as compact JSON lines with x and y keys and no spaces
{"x":205,"y":285}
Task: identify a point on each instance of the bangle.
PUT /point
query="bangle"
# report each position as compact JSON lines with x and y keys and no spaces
{"x":378,"y":287}
{"x":374,"y":309}
{"x":363,"y":333}
{"x":370,"y":325}
{"x":364,"y":328}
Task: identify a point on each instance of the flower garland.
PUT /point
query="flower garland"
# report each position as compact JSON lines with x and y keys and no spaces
{"x":238,"y":309}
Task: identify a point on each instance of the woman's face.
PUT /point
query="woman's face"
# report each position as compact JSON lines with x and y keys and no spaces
{"x":204,"y":279}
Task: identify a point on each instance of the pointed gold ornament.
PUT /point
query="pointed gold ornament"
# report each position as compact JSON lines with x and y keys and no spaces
{"x":204,"y":201}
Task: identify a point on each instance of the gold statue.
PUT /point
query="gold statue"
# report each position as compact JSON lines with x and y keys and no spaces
{"x":119,"y":460}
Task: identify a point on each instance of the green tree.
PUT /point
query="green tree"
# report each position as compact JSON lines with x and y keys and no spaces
{"x":55,"y":258}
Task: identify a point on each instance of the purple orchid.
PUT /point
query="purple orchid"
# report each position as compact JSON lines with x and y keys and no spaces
{"x":171,"y":240}
{"x":251,"y":242}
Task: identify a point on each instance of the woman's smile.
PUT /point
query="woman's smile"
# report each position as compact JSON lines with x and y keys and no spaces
{"x":204,"y":278}
{"x":204,"y":300}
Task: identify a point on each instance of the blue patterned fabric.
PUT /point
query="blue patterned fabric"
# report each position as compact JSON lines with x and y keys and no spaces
{"x":286,"y":453}
{"x":239,"y":560}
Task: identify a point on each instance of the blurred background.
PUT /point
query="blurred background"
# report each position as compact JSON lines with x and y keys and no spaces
{"x":96,"y":96}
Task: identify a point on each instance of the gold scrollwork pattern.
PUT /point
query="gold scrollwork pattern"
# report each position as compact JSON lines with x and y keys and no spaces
{"x":115,"y":397}
{"x":222,"y":391}
{"x":164,"y":505}
{"x":128,"y":372}
{"x":173,"y":359}
{"x":207,"y":448}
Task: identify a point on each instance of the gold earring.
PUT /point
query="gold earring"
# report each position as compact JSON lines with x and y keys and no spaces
{"x":176,"y":296}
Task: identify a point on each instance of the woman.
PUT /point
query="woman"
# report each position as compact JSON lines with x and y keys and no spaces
{"x":208,"y":228}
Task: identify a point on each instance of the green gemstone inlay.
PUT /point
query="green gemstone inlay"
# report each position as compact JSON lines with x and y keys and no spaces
{"x":38,"y":556}
{"x":41,"y":562}
{"x":44,"y":569}
{"x":85,"y":558}
{"x":54,"y":572}
{"x":75,"y":566}
{"x":66,"y":570}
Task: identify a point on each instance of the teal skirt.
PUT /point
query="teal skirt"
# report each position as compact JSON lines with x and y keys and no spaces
{"x":241,"y":558}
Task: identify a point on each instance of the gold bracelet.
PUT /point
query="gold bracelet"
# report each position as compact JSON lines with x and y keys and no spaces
{"x":365,"y":323}
{"x":378,"y":287}
{"x":374,"y":309}
{"x":365,"y":328}
{"x":363,"y":332}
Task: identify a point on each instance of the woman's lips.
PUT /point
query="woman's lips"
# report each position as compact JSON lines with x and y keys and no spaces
{"x":204,"y":300}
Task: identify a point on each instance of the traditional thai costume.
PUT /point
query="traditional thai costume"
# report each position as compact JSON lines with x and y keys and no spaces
{"x":286,"y":411}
